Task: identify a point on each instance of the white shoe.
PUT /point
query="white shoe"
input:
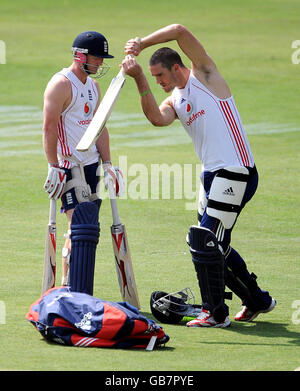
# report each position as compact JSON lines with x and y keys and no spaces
{"x":246,"y":315}
{"x":205,"y":319}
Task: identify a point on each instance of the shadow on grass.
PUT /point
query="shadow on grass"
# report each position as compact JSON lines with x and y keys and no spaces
{"x":260,"y":329}
{"x":267,"y":330}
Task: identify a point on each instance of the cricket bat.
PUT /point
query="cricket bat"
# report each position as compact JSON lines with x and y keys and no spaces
{"x":103,"y":112}
{"x":50,"y":250}
{"x":122,"y":255}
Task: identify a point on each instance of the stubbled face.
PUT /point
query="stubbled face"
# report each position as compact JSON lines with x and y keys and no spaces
{"x":165,"y":78}
{"x":93,"y":63}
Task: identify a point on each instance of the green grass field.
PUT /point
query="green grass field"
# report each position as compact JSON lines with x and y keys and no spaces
{"x":250,"y":42}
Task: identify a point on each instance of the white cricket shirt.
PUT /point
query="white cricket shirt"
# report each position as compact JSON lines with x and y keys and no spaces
{"x":74,"y":121}
{"x":214,"y":126}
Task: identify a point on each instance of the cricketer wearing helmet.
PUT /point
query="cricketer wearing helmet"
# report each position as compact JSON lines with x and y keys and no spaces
{"x":71,"y":99}
{"x":202,"y":101}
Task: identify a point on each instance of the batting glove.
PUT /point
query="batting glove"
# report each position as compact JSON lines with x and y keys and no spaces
{"x":55,"y":181}
{"x":115,"y":175}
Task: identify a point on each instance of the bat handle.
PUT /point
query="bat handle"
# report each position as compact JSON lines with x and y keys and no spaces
{"x":113,"y":204}
{"x":52,"y":214}
{"x":123,"y":72}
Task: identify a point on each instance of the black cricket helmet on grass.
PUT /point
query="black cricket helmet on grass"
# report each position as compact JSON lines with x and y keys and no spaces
{"x":173,"y":307}
{"x":95,"y":44}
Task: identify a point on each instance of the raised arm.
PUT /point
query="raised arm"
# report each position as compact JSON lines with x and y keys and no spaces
{"x":202,"y":65}
{"x":188,"y":43}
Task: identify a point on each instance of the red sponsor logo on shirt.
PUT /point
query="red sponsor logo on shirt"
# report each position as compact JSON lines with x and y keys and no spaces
{"x":189,"y":107}
{"x":195,"y":116}
{"x":87,"y":109}
{"x":84,"y":122}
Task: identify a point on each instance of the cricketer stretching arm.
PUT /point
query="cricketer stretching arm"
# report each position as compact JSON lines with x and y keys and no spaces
{"x":185,"y":39}
{"x":202,"y":67}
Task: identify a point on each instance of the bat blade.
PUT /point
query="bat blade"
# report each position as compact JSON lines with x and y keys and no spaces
{"x":103,"y":112}
{"x":50,"y":251}
{"x":123,"y":264}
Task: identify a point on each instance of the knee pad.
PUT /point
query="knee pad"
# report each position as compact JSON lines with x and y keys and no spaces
{"x":85,"y":232}
{"x":208,"y":261}
{"x":226,"y":194}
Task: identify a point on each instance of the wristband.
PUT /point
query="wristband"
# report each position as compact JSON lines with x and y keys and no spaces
{"x":56,"y":165}
{"x":106,"y":164}
{"x":145,"y":92}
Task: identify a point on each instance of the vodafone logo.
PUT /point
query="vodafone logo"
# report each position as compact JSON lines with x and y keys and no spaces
{"x":87,"y":109}
{"x":84,"y":122}
{"x":195,"y":116}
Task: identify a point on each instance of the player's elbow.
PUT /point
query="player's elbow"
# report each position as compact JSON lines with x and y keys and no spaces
{"x":156,"y":121}
{"x":179,"y":29}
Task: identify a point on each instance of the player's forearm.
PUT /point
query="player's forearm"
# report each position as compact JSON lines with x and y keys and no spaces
{"x":166,"y":34}
{"x":102,"y":145}
{"x":148,"y":102}
{"x":50,"y":144}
